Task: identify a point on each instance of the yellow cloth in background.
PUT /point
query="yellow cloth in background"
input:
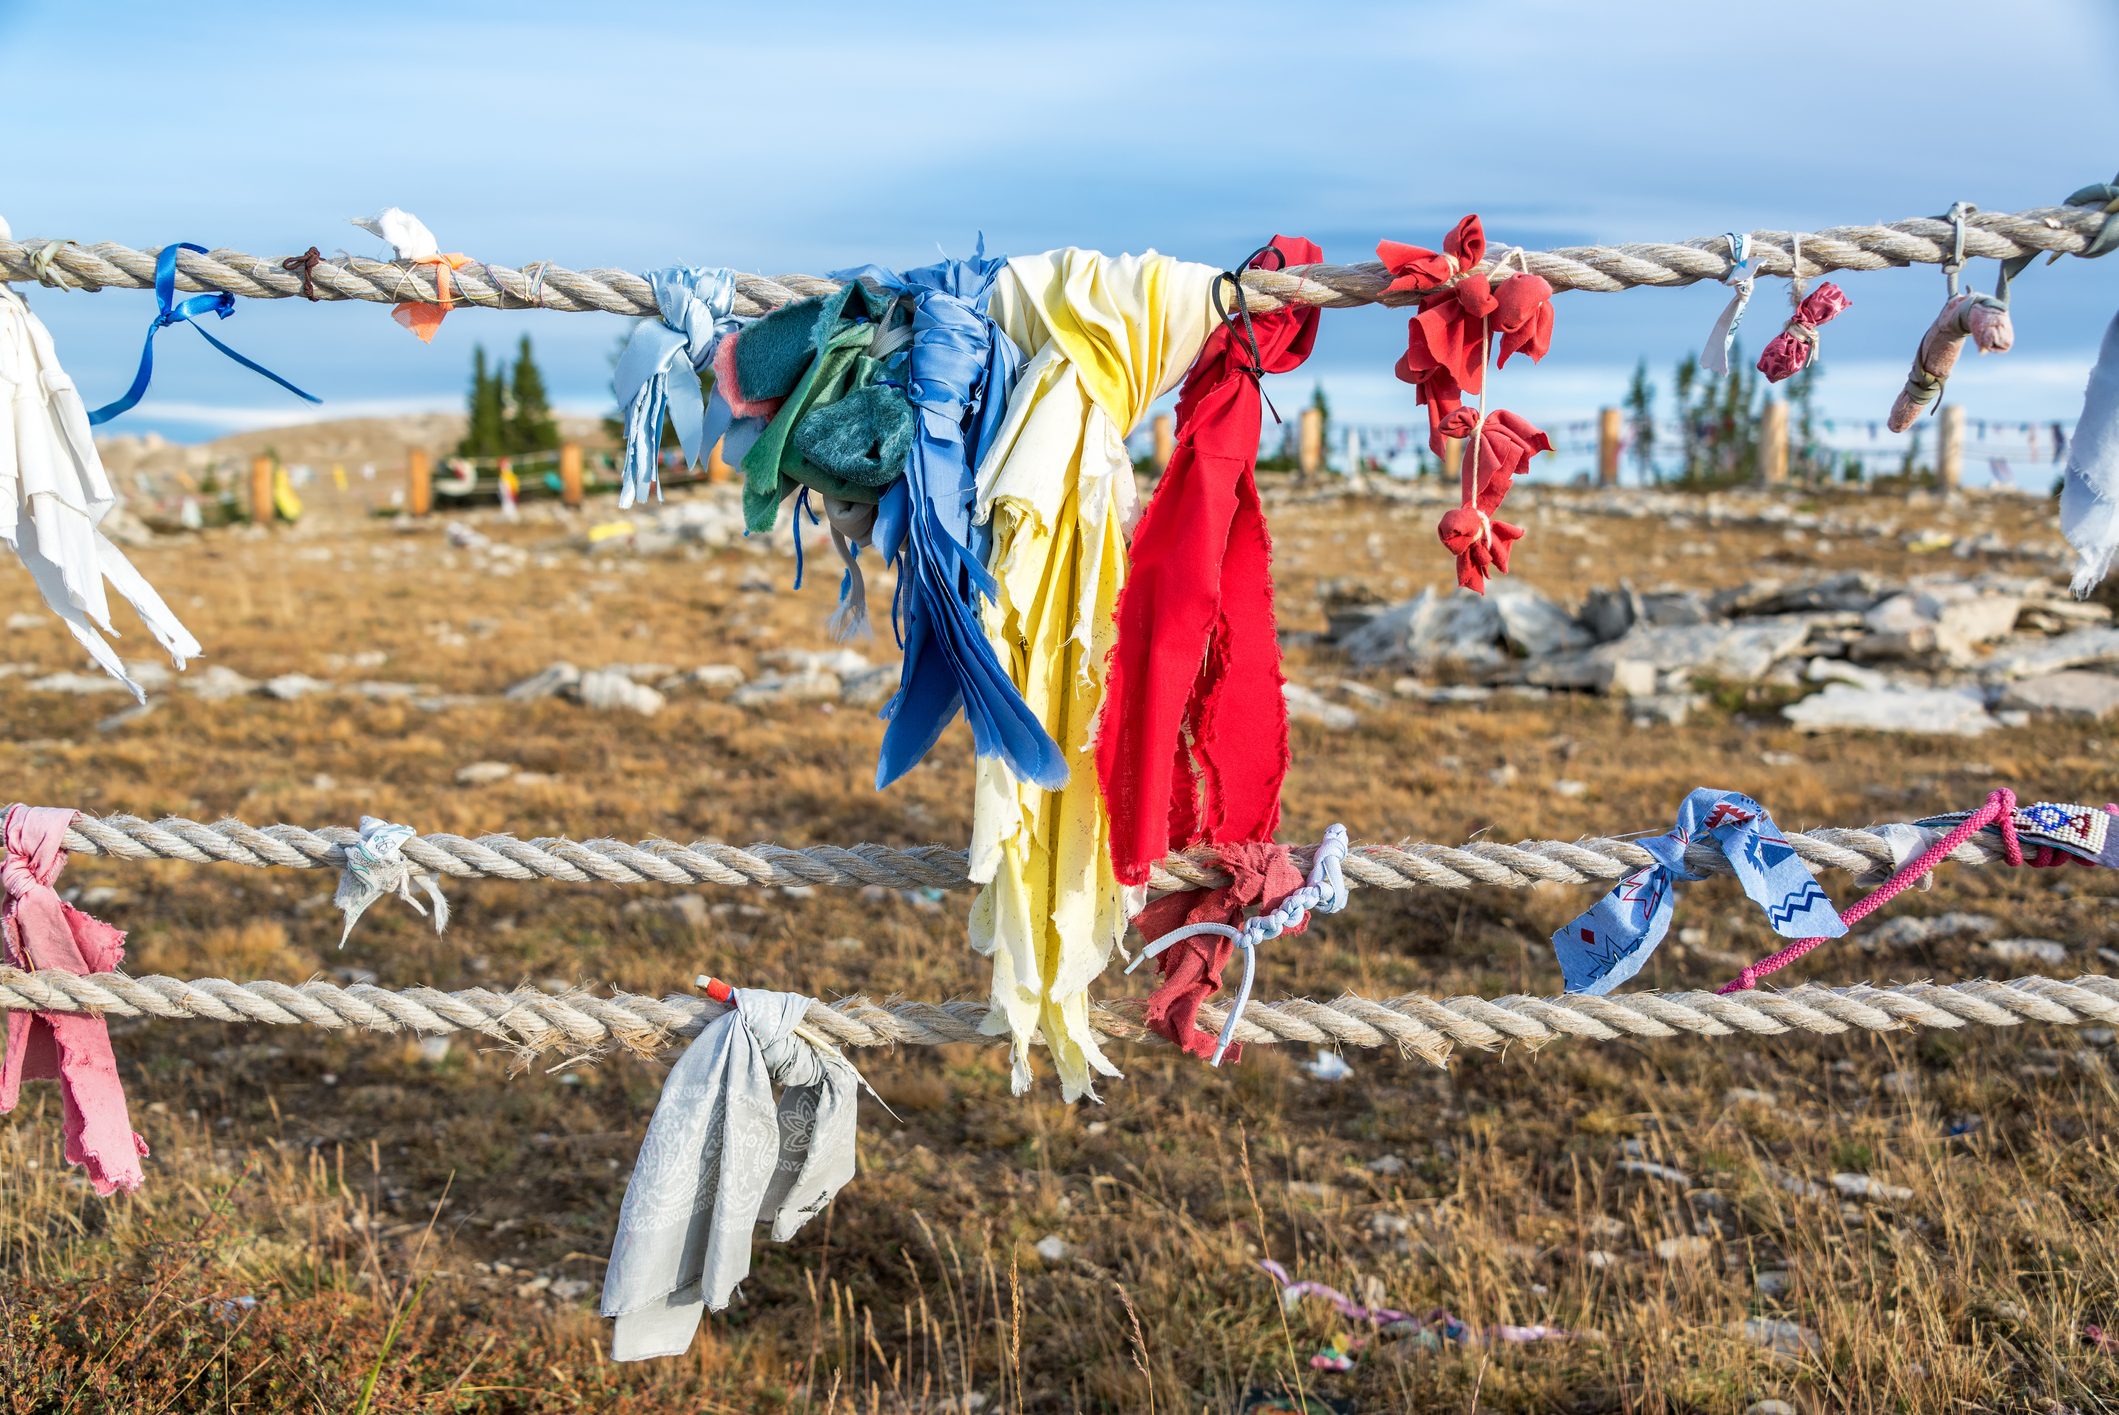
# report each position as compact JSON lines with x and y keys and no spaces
{"x":1105,"y":336}
{"x":285,"y":504}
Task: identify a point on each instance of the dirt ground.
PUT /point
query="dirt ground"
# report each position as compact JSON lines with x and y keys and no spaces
{"x":367,"y":1223}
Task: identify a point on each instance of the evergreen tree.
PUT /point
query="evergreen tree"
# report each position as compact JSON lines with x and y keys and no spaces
{"x":485,"y":430}
{"x":1808,"y":454}
{"x":1640,"y":409}
{"x":1687,"y":380}
{"x":530,"y":426}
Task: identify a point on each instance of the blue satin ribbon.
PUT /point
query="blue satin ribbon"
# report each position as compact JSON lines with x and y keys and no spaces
{"x":217,"y":302}
{"x":962,"y":370}
{"x":1605,"y":946}
{"x":697,"y":310}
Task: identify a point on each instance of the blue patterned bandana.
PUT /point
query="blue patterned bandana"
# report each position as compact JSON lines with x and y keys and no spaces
{"x":1607,"y":945}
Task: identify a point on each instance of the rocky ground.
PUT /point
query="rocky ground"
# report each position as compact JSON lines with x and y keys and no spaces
{"x":1861,"y":1223}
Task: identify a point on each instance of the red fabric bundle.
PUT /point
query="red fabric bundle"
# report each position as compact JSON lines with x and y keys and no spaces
{"x":1445,"y":358}
{"x":1261,"y":876}
{"x":1789,"y":352}
{"x":1194,"y":743}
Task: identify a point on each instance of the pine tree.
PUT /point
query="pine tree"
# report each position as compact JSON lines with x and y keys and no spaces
{"x":1687,"y":379}
{"x":1640,"y":408}
{"x":485,"y":428}
{"x":530,"y":426}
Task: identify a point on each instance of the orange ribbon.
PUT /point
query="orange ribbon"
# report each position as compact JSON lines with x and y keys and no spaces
{"x":424,"y":318}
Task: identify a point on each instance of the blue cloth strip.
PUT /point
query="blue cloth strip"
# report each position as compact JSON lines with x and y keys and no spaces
{"x":697,"y":305}
{"x":962,"y":371}
{"x":219,"y":303}
{"x":1605,"y":946}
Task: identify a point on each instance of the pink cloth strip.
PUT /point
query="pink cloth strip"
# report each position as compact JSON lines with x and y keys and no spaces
{"x":73,"y":1048}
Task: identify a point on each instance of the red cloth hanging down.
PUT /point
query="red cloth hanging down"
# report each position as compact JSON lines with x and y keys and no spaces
{"x":1789,"y":352}
{"x":1194,"y":743}
{"x":40,"y":930}
{"x":1445,"y":359}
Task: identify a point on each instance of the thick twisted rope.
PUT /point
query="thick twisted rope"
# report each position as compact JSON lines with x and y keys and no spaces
{"x":1923,"y":240}
{"x":1402,"y":866}
{"x":1415,"y":1024}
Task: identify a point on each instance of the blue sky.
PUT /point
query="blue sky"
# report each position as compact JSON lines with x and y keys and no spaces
{"x":810,"y":137}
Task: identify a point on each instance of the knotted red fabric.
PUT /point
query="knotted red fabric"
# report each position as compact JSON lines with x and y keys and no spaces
{"x":1194,"y":743}
{"x":1261,"y":875}
{"x":1447,"y":344}
{"x":1789,"y":352}
{"x":43,"y":931}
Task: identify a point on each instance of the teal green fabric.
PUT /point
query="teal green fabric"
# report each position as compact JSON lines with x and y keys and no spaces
{"x":854,"y":453}
{"x":774,"y":350}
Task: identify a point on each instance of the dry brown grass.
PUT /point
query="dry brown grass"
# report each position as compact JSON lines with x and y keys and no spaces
{"x":306,"y":1171}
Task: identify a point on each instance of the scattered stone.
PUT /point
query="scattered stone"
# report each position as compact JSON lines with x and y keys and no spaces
{"x":605,"y":691}
{"x":1052,"y":1248}
{"x":554,"y":680}
{"x":1430,"y":628}
{"x":840,"y":663}
{"x":1387,"y":1165}
{"x":484,"y":773}
{"x":1662,"y":709}
{"x":2079,"y":649}
{"x":1784,"y":1338}
{"x":713,"y":677}
{"x":1571,"y":790}
{"x":219,"y":684}
{"x":1685,"y":1248}
{"x":125,"y":717}
{"x":1745,"y":1095}
{"x":871,"y":687}
{"x":799,"y":687}
{"x":1651,"y":1170}
{"x":2072,"y":692}
{"x":1739,"y":652}
{"x":1861,"y":1186}
{"x":1910,"y":932}
{"x":1838,"y":670}
{"x":20,"y":621}
{"x":1947,"y":712}
{"x":1357,"y":692}
{"x":688,"y":910}
{"x":1532,"y":625}
{"x":292,"y":687}
{"x":1771,"y":1282}
{"x":86,"y":685}
{"x":2048,"y":951}
{"x":1849,"y":591}
{"x":1769,"y":1407}
{"x":1306,"y":705}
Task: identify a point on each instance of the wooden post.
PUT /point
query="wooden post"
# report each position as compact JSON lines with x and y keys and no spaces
{"x":1608,"y":447}
{"x":1773,"y":443}
{"x":1165,"y":442}
{"x":1309,"y":454}
{"x":419,"y":484}
{"x":261,"y":491}
{"x":570,"y":473}
{"x":717,"y":468}
{"x":1452,"y":460}
{"x":1949,"y":450}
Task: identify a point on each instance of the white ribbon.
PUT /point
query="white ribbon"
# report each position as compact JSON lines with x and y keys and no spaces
{"x":1715,"y":357}
{"x":376,"y":866}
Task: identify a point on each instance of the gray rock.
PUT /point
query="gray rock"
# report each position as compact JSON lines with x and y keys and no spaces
{"x":1430,"y":628}
{"x":484,"y":773}
{"x":1950,"y":621}
{"x":871,"y":687}
{"x":1850,"y":590}
{"x":807,"y":687}
{"x":687,"y":910}
{"x":1306,"y":705}
{"x":841,"y":663}
{"x":1782,"y":1337}
{"x":291,"y":687}
{"x":1662,"y":709}
{"x":713,"y":677}
{"x":1533,"y":625}
{"x":2072,"y":692}
{"x":554,"y":680}
{"x":2077,"y":649}
{"x":1740,"y":652}
{"x":1608,"y":614}
{"x":382,"y":690}
{"x":1907,"y":931}
{"x":125,"y":717}
{"x":82,"y":685}
{"x":1838,"y":670}
{"x":219,"y":684}
{"x":606,"y":691}
{"x":2048,"y":951}
{"x":1945,"y":712}
{"x":641,"y":672}
{"x":1769,"y":1407}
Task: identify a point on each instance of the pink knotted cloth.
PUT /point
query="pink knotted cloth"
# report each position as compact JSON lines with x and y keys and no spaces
{"x":1789,"y":352}
{"x":73,"y":1048}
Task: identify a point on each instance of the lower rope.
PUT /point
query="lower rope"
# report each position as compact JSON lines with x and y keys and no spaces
{"x":1415,"y":1024}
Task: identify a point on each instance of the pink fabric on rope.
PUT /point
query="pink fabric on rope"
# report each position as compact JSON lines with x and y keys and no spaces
{"x":1999,"y":810}
{"x":73,"y":1048}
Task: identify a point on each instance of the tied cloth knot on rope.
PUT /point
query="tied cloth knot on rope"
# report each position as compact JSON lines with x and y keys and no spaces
{"x":218,"y":303}
{"x":1984,"y":319}
{"x":1448,"y":345}
{"x":1789,"y":352}
{"x":1194,"y":743}
{"x":658,"y":373}
{"x":2062,"y":834}
{"x":1714,"y":356}
{"x":1195,"y":976}
{"x":43,"y":931}
{"x":415,"y":244}
{"x":306,"y":263}
{"x":1606,"y":945}
{"x":721,"y":1157}
{"x":376,"y":866}
{"x":54,"y":495}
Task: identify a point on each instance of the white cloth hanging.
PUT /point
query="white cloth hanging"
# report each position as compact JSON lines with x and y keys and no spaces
{"x":54,"y":495}
{"x":2090,"y":497}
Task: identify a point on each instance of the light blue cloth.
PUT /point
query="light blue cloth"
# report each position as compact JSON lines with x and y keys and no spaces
{"x":962,"y":370}
{"x":1607,"y":945}
{"x":697,"y":307}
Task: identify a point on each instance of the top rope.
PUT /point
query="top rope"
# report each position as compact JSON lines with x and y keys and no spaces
{"x":1921,"y":240}
{"x":1409,"y":865}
